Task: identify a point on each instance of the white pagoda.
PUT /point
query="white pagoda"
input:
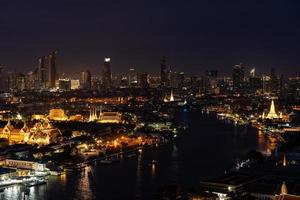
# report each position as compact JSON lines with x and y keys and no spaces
{"x":272,"y":113}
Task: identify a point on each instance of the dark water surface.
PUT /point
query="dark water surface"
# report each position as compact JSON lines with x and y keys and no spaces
{"x":206,"y":149}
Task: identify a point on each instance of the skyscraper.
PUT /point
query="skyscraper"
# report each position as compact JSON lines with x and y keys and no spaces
{"x":41,"y":73}
{"x":85,"y":79}
{"x":163,"y":72}
{"x":143,"y":80}
{"x":132,"y":77}
{"x":106,"y":78}
{"x":274,"y":81}
{"x":211,"y":81}
{"x":52,"y":70}
{"x":238,"y":76}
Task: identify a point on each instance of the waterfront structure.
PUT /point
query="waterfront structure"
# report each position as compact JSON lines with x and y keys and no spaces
{"x":25,"y":164}
{"x":272,"y":113}
{"x":284,"y":194}
{"x":40,"y":134}
{"x":107,"y":76}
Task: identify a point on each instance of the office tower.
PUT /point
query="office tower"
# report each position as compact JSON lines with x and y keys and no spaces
{"x":211,"y":81}
{"x":174,"y":80}
{"x":266,"y":84}
{"x":20,"y":82}
{"x":107,"y":76}
{"x":41,"y":75}
{"x":4,"y":79}
{"x":64,"y":84}
{"x":252,"y":73}
{"x":274,"y":83}
{"x":163,"y":72}
{"x":75,"y":84}
{"x":255,"y":84}
{"x":143,"y":80}
{"x":30,"y":81}
{"x":238,"y":76}
{"x":85,"y":80}
{"x":52,"y":70}
{"x":180,"y":79}
{"x":132,"y":77}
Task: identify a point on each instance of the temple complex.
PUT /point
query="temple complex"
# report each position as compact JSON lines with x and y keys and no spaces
{"x":40,"y":134}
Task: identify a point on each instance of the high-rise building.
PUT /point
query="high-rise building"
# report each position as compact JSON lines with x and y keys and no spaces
{"x":211,"y":81}
{"x":75,"y":84}
{"x":181,"y":79}
{"x":52,"y":70}
{"x":42,"y":73}
{"x":64,"y":84}
{"x":274,"y":82}
{"x":132,"y":77}
{"x":238,"y":76}
{"x":4,"y":79}
{"x":20,"y":82}
{"x":143,"y":80}
{"x":107,"y":76}
{"x":30,"y":83}
{"x":85,"y":79}
{"x":164,"y":78}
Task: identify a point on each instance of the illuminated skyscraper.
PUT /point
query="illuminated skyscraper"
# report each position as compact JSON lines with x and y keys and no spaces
{"x":106,"y":78}
{"x":52,"y":70}
{"x":85,"y":80}
{"x":132,"y":77}
{"x":42,"y":73}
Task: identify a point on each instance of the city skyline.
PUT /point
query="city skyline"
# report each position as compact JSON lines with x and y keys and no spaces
{"x":204,"y":36}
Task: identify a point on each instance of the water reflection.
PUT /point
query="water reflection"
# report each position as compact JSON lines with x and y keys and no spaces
{"x":174,"y":163}
{"x":207,"y":139}
{"x":138,"y":175}
{"x":83,"y":190}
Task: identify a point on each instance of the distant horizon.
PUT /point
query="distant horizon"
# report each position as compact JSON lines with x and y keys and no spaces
{"x":153,"y":71}
{"x":194,"y":36}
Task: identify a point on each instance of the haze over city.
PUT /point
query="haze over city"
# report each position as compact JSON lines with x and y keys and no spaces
{"x":194,"y":35}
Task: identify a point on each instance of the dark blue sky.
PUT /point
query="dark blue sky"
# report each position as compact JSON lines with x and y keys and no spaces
{"x":194,"y":34}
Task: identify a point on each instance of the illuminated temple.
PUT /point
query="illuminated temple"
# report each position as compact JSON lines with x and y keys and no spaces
{"x":105,"y":117}
{"x":272,"y":113}
{"x":40,"y":134}
{"x":170,"y":98}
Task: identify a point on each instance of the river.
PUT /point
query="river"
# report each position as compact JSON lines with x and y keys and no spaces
{"x":207,"y":148}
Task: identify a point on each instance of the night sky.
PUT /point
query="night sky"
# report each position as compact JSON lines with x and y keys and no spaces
{"x":195,"y":35}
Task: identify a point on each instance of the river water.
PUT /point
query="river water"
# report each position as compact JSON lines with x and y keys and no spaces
{"x":208,"y":147}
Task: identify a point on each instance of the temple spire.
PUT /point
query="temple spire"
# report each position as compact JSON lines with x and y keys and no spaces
{"x":283,"y":189}
{"x":272,"y":114}
{"x":171,"y":96}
